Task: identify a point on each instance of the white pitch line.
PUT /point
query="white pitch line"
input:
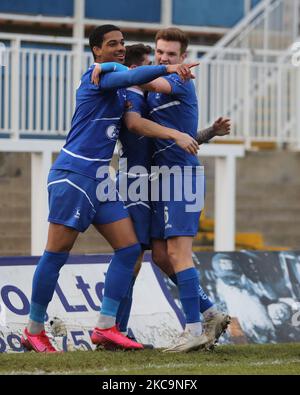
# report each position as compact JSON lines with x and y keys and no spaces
{"x":157,"y":367}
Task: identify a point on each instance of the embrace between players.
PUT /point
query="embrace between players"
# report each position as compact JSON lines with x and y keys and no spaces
{"x":153,"y":111}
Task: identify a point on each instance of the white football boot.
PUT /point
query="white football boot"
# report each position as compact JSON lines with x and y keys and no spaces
{"x":214,"y":326}
{"x":187,"y":342}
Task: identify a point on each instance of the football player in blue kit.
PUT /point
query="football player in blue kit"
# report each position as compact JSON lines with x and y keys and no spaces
{"x":140,"y":154}
{"x":136,"y":153}
{"x":135,"y":150}
{"x":175,"y":221}
{"x":75,"y":198}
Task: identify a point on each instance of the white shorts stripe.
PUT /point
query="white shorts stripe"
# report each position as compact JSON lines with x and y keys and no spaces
{"x":163,"y":149}
{"x":106,"y":119}
{"x":138,"y":203}
{"x":167,"y":105}
{"x":75,"y":186}
{"x":84,"y":157}
{"x":135,"y":90}
{"x":133,"y":174}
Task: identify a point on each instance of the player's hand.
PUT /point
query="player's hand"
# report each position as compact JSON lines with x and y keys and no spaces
{"x":222,"y":127}
{"x":186,"y":142}
{"x":183,"y":70}
{"x":96,"y":74}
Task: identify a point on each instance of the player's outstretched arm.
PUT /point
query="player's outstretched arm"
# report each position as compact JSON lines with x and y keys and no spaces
{"x":141,"y":75}
{"x":106,"y":67}
{"x":161,"y":85}
{"x":135,"y":123}
{"x":137,"y":76}
{"x":221,"y":127}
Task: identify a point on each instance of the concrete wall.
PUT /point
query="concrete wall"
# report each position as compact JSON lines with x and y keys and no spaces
{"x":15,"y":211}
{"x":268,"y":201}
{"x":268,"y":195}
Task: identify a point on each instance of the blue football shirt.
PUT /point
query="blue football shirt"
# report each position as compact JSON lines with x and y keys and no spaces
{"x":94,"y":129}
{"x":136,"y":149}
{"x":177,"y":110}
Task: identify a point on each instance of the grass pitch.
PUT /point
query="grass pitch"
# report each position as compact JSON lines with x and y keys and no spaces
{"x":246,"y":359}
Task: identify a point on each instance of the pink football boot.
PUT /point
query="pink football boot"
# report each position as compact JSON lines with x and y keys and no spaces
{"x":38,"y":343}
{"x":112,"y":338}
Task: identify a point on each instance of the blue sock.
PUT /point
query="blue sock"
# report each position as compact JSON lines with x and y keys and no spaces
{"x":125,"y":308}
{"x":44,"y":283}
{"x":118,"y":278}
{"x":188,"y":287}
{"x":205,"y":302}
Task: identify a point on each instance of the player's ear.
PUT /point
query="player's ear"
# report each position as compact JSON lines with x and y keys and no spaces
{"x":97,"y":51}
{"x":183,"y":57}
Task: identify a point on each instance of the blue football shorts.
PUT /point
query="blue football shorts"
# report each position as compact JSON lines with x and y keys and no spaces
{"x":73,"y":201}
{"x":140,"y":213}
{"x":178,"y":214}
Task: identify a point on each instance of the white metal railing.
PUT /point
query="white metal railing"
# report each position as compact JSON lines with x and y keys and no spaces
{"x":37,"y":93}
{"x":37,"y":96}
{"x":274,"y":28}
{"x":266,"y":112}
{"x":262,"y":95}
{"x":271,"y":25}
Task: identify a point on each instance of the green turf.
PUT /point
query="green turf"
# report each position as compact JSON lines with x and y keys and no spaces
{"x":248,"y":359}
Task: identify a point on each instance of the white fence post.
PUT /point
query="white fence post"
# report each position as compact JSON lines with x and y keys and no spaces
{"x":40,"y":166}
{"x":247,"y":7}
{"x":225,"y":183}
{"x":280,"y":95}
{"x":166,"y":13}
{"x":78,"y":47}
{"x":298,"y":106}
{"x":296,"y":20}
{"x":15,"y":88}
{"x":247,"y":109}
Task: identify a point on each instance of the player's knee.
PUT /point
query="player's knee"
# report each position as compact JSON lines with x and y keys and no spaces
{"x":136,"y":250}
{"x":176,"y":256}
{"x":61,"y":238}
{"x":62,"y":247}
{"x":173,"y":256}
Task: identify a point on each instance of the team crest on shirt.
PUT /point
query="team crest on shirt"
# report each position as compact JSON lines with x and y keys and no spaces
{"x":112,"y":132}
